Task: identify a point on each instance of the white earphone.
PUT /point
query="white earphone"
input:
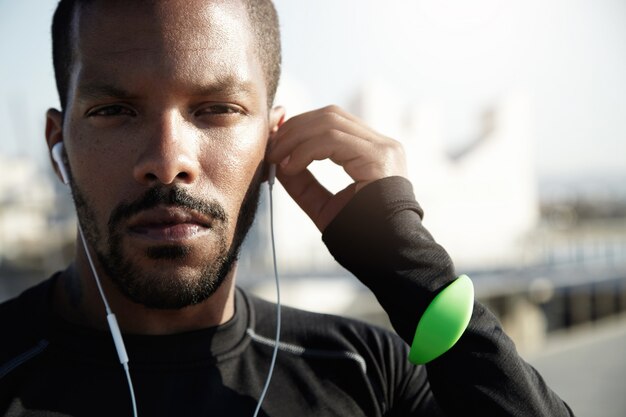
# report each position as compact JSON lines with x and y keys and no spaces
{"x":57,"y":156}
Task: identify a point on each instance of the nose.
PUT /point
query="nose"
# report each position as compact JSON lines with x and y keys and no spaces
{"x":170,"y":153}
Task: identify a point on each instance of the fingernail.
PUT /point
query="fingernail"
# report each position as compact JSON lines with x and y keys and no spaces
{"x":285,"y":161}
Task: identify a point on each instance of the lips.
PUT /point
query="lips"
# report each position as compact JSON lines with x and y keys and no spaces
{"x":169,"y":224}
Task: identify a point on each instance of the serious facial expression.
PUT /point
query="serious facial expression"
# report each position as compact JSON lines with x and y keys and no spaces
{"x":165,"y":133}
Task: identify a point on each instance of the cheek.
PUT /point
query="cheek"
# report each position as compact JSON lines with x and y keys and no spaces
{"x":236,"y":154}
{"x":232,"y":164}
{"x":99,"y":171}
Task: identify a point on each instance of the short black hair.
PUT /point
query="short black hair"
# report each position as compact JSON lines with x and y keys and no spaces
{"x":263,"y":20}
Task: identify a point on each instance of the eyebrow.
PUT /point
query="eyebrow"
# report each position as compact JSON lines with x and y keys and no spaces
{"x":227,"y":85}
{"x":98,"y":91}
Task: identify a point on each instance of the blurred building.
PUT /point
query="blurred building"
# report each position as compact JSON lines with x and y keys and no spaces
{"x":481,"y":200}
{"x":30,"y":230}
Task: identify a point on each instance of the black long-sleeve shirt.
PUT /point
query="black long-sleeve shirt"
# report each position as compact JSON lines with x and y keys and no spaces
{"x":326,"y":366}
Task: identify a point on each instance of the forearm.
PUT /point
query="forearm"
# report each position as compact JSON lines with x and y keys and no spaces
{"x":379,"y":237}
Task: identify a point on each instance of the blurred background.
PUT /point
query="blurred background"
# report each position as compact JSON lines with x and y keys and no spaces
{"x":513,"y":116}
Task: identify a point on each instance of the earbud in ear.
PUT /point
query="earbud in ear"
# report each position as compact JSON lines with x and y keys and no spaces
{"x":271,"y":176}
{"x":271,"y":171}
{"x":57,"y":156}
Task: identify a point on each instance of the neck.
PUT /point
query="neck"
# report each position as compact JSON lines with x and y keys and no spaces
{"x":77,"y":300}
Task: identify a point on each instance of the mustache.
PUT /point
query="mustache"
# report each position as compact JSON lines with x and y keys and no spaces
{"x":166,"y":196}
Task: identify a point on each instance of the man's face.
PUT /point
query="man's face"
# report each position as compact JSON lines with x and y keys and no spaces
{"x":165,"y":131}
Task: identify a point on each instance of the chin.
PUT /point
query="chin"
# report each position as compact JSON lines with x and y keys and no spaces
{"x":169,"y":277}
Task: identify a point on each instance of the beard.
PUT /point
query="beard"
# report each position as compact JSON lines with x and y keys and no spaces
{"x":171,"y":291}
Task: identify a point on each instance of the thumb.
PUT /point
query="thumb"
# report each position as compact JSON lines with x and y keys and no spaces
{"x":315,"y":200}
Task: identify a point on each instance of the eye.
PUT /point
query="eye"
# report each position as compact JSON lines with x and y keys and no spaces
{"x":110,"y":111}
{"x":220,"y":110}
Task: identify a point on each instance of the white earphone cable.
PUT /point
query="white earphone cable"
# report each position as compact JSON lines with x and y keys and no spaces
{"x":113,"y":326}
{"x":278,"y":318}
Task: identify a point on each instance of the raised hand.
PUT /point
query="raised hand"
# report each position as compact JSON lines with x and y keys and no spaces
{"x":331,"y":133}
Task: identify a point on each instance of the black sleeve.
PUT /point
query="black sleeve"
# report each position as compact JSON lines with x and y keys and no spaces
{"x":379,"y":237}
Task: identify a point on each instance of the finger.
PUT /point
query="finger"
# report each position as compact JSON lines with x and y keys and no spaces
{"x":308,"y":117}
{"x":330,"y":114}
{"x":341,"y":148}
{"x":320,"y":127}
{"x":294,"y":131}
{"x":307,"y":192}
{"x":315,"y":200}
{"x":361,"y":159}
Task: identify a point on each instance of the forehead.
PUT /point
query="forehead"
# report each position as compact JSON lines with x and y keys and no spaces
{"x":184,"y":40}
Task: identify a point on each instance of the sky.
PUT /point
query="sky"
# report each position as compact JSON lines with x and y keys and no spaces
{"x":568,"y":56}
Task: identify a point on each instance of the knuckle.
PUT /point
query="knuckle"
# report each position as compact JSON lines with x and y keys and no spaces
{"x":334,"y":114}
{"x":397,"y":147}
{"x":335,"y":134}
{"x":392,"y":149}
{"x":332,"y":108}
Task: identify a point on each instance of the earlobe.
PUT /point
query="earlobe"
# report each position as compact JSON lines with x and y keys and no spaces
{"x":277,"y":118}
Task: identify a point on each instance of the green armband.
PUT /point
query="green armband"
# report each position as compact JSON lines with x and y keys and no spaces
{"x":443,"y":322}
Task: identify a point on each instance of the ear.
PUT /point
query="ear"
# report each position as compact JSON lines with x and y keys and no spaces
{"x":276,"y":120}
{"x":54,"y":134}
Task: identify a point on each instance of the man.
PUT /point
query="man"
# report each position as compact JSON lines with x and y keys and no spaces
{"x":168,"y":127}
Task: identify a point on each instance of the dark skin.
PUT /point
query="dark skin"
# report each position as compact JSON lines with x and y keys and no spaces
{"x":172,"y":93}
